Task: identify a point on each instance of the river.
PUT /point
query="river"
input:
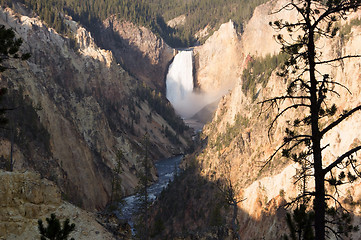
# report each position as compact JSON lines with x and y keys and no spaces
{"x":165,"y":169}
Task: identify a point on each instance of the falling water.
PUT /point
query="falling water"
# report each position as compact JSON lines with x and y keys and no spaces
{"x":186,"y":102}
{"x":180,"y":83}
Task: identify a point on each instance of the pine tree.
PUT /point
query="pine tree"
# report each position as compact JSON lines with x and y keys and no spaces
{"x":9,"y":49}
{"x":310,"y":89}
{"x":300,"y":224}
{"x":116,"y":192}
{"x":229,"y":192}
{"x":54,"y":230}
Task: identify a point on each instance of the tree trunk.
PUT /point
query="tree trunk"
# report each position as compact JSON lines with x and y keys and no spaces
{"x":12,"y":148}
{"x":234,"y":221}
{"x":319,"y":203}
{"x":319,"y":206}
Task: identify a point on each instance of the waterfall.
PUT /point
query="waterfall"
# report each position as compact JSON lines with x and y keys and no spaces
{"x":179,"y":82}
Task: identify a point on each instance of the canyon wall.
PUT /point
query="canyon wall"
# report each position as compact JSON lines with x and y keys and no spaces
{"x":138,"y":49}
{"x":218,"y":61}
{"x":25,"y":198}
{"x":239,"y":135}
{"x":239,"y":131}
{"x":79,"y":108}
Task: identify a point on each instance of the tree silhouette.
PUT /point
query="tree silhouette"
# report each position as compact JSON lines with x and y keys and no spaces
{"x":54,"y":231}
{"x":310,"y":89}
{"x":300,"y":224}
{"x":116,"y":191}
{"x":9,"y":49}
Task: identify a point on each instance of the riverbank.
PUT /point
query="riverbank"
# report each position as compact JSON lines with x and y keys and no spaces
{"x":166,"y":170}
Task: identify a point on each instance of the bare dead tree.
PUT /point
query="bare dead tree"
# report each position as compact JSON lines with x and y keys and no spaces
{"x":310,"y":90}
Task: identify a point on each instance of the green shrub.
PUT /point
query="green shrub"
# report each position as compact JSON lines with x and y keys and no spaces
{"x":259,"y":70}
{"x":225,"y":139}
{"x":345,"y":30}
{"x":54,"y":230}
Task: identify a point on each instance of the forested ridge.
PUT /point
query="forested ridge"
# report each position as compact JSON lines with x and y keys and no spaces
{"x":203,"y":13}
{"x":152,"y":14}
{"x":87,"y":12}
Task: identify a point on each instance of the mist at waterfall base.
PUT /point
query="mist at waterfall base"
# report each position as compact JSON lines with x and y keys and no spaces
{"x":179,"y":83}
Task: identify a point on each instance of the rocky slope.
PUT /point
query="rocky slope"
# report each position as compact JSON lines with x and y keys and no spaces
{"x":218,"y":60}
{"x":238,"y":135}
{"x":25,"y":198}
{"x":140,"y":51}
{"x":79,"y":108}
{"x":216,"y":67}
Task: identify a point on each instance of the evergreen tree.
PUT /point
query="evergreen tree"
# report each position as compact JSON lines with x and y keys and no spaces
{"x":310,"y":89}
{"x":3,"y":119}
{"x":229,"y":192}
{"x":300,"y":224}
{"x":151,"y":14}
{"x":54,"y":231}
{"x":116,"y":193}
{"x":9,"y":49}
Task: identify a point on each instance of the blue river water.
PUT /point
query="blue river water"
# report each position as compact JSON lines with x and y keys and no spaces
{"x":165,"y":169}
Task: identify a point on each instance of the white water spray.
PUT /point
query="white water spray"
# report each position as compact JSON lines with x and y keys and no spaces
{"x":179,"y":83}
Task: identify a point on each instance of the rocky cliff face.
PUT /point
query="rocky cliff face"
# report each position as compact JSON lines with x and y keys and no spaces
{"x":140,"y":51}
{"x":25,"y":198}
{"x":219,"y":60}
{"x":216,"y":67}
{"x":238,"y":135}
{"x":267,"y":190}
{"x":86,"y":111}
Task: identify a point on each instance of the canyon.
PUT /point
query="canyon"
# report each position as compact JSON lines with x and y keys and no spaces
{"x":86,"y":113}
{"x":237,"y":134}
{"x":84,"y":90}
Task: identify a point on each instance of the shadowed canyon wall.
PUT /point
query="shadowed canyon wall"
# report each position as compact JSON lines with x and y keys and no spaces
{"x":238,"y":133}
{"x":87,"y":109}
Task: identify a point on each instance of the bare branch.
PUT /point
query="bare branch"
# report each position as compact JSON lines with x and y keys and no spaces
{"x":283,"y":98}
{"x":338,"y":84}
{"x":298,"y":198}
{"x":288,"y":7}
{"x":9,"y":109}
{"x":340,"y":159}
{"x":338,"y":59}
{"x":343,"y":7}
{"x":336,"y":233}
{"x":354,"y":167}
{"x":295,"y":138}
{"x":294,"y":106}
{"x":337,"y":202}
{"x":338,"y":121}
